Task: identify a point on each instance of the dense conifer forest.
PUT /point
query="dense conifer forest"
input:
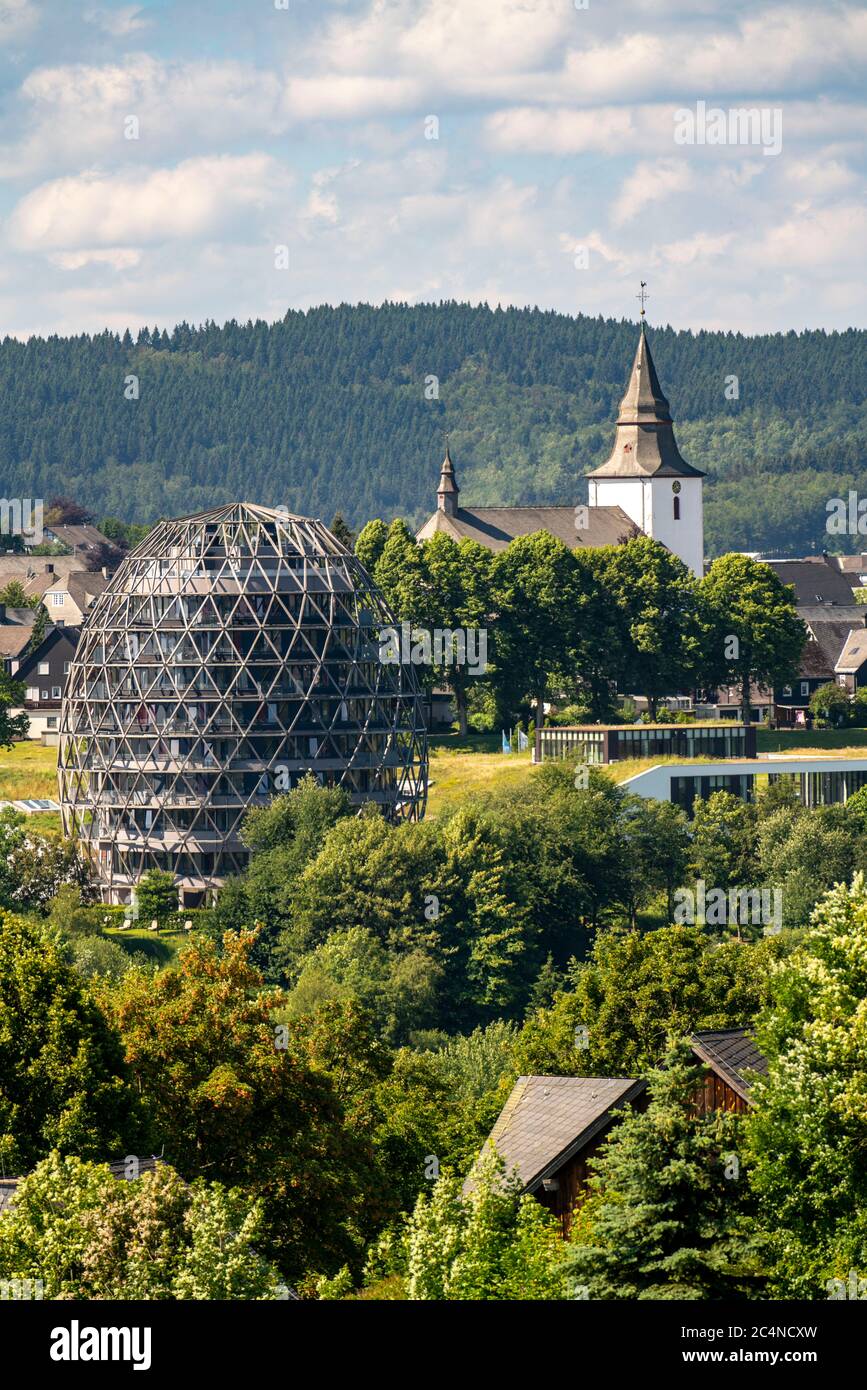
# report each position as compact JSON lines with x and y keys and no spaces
{"x":335,"y":409}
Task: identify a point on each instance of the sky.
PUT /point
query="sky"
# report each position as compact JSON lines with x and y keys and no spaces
{"x":212,"y":159}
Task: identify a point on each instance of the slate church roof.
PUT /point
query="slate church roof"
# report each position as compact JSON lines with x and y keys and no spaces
{"x":495,"y":527}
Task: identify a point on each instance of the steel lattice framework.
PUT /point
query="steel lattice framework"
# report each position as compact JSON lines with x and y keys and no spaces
{"x":232,"y":653}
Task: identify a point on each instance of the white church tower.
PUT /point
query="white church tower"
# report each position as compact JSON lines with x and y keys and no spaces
{"x":645,"y":474}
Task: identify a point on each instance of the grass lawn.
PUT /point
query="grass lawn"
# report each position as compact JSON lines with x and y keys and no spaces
{"x":28,"y":770}
{"x":159,"y":946}
{"x":456,"y":772}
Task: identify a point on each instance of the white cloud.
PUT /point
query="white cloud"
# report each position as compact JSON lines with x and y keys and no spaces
{"x":75,"y":113}
{"x":650,"y":183}
{"x":337,"y":97}
{"x":196,"y":199}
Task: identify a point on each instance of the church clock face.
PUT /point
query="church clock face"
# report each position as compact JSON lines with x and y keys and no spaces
{"x":675,"y":487}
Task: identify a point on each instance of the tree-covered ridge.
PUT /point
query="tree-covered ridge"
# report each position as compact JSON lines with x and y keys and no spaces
{"x":326,"y":410}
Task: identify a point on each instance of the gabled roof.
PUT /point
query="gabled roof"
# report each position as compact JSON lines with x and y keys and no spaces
{"x":547,"y":1119}
{"x":831,"y":636}
{"x":644,"y":444}
{"x":23,"y":617}
{"x":13,"y":639}
{"x":817,"y":581}
{"x":78,"y":537}
{"x":731,"y":1053}
{"x":814,"y":663}
{"x":854,"y":652}
{"x":65,"y":636}
{"x":83,"y":587}
{"x":495,"y":527}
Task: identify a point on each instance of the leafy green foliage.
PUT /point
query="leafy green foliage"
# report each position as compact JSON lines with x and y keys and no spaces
{"x":756,"y":635}
{"x":88,"y":1235}
{"x":226,"y":1101}
{"x":63,"y":1081}
{"x":831,"y":705}
{"x":669,"y":1220}
{"x":634,"y":990}
{"x":493,"y":1244}
{"x":808,"y":1132}
{"x":157,"y":895}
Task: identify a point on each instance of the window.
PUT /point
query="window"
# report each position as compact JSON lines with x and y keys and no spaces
{"x":787,"y":690}
{"x":45,"y":694}
{"x":676,"y":508}
{"x":55,"y":692}
{"x":51,"y":721}
{"x":33,"y":692}
{"x":43,"y":668}
{"x":805,"y":687}
{"x":66,"y":666}
{"x":57,"y":598}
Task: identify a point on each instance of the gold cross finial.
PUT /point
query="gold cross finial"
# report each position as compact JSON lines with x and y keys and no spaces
{"x":643,"y":296}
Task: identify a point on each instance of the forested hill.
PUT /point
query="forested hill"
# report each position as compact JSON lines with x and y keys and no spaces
{"x":326,"y":411}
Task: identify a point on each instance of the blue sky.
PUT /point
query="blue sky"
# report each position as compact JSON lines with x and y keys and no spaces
{"x":555,"y":178}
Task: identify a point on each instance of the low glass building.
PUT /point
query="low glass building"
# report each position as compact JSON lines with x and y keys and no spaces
{"x":609,"y":743}
{"x":231,"y":654}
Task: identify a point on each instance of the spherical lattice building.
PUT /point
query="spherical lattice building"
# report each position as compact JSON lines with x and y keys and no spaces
{"x":231,"y":654}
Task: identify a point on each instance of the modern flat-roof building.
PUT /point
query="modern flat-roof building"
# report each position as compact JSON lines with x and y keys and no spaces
{"x":818,"y":781}
{"x":233,"y":653}
{"x":610,"y":743}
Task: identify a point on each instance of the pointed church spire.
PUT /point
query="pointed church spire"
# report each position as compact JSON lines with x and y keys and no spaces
{"x":447,"y":492}
{"x":644,"y":444}
{"x":643,"y":401}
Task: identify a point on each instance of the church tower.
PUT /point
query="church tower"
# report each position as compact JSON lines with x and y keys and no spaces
{"x":645,"y":474}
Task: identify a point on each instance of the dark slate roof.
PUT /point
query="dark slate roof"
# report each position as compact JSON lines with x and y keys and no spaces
{"x":730,"y":1052}
{"x":832,"y":637}
{"x":817,"y":581}
{"x":644,"y":443}
{"x":495,"y":527}
{"x":547,"y":1119}
{"x":815,"y":663}
{"x":23,"y":617}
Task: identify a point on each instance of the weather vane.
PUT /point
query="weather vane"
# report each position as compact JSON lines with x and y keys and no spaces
{"x":643,"y":296}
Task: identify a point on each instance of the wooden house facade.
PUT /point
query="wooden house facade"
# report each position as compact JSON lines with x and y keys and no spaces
{"x":731,"y":1060}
